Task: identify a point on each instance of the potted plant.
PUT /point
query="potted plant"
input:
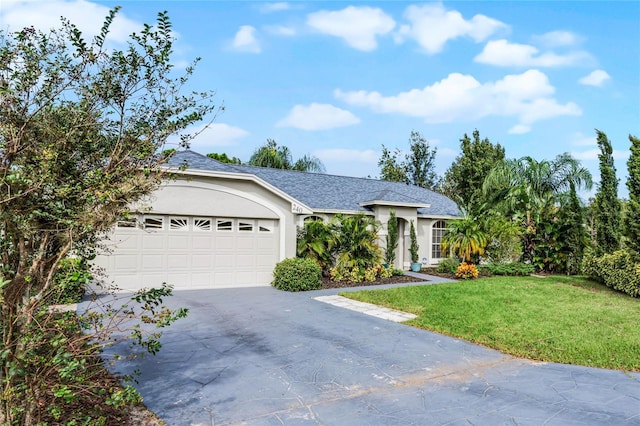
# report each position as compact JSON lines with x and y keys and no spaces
{"x":392,"y":240}
{"x":413,"y":249}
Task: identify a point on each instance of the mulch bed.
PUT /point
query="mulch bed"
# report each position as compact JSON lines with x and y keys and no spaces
{"x":396,"y":279}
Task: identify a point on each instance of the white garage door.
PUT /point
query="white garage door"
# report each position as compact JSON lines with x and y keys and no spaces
{"x":191,"y":252}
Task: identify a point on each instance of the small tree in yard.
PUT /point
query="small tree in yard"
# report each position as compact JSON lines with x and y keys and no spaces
{"x":82,"y":128}
{"x":392,"y":239}
{"x":413,"y":244}
{"x":466,"y":239}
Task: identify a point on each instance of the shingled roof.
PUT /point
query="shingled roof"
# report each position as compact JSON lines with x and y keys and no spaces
{"x":330,"y":192}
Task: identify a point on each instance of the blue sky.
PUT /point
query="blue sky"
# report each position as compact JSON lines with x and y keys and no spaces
{"x":340,"y":79}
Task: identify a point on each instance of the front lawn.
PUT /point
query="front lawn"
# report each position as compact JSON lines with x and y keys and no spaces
{"x":561,"y":319}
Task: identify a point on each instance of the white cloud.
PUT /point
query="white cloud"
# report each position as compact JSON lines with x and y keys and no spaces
{"x":592,"y":155}
{"x":503,"y":53}
{"x":245,"y":40}
{"x":519,"y":129}
{"x":274,"y":7}
{"x":281,"y":30}
{"x":357,"y":26}
{"x":582,"y":140}
{"x":347,"y":155}
{"x":432,"y":26}
{"x":526,"y":96}
{"x":557,"y":39}
{"x":318,"y":117}
{"x":216,"y":135}
{"x":595,"y":78}
{"x":87,"y":16}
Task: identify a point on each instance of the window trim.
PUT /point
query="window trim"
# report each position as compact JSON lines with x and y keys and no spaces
{"x":181,"y":228}
{"x":223,"y":220}
{"x":437,"y":245}
{"x":146,"y":226}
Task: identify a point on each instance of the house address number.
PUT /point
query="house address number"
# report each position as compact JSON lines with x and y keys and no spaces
{"x":295,"y":208}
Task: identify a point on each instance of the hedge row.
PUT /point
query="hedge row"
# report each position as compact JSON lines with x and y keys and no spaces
{"x":618,"y":270}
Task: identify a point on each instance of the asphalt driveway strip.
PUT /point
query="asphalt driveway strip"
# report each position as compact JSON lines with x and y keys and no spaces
{"x":260,"y":356}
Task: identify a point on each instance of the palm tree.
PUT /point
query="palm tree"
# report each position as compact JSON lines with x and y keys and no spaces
{"x":529,"y":189}
{"x":465,"y":238}
{"x":316,"y":240}
{"x":357,"y":242}
{"x":278,"y":157}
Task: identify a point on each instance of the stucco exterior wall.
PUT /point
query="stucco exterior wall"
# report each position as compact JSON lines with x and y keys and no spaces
{"x":206,"y":196}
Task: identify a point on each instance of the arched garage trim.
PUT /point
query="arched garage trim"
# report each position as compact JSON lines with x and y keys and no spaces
{"x":210,"y":186}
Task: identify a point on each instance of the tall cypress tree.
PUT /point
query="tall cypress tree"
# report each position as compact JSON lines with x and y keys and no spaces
{"x":632,"y":218}
{"x":607,"y":206}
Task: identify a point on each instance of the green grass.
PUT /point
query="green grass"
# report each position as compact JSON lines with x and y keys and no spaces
{"x":569,"y":320}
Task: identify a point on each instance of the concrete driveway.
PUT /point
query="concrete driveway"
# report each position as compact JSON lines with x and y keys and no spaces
{"x":260,"y":356}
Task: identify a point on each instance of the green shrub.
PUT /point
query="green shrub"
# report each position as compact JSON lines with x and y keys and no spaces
{"x":448,"y":266}
{"x":70,"y":281}
{"x":396,"y":272}
{"x":357,"y":274}
{"x":297,"y":274}
{"x":510,"y":268}
{"x":617,"y":270}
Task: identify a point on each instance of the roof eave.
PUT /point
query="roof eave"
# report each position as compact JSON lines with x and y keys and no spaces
{"x":393,"y":204}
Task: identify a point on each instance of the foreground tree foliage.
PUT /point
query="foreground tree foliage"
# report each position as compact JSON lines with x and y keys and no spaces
{"x":82,"y":127}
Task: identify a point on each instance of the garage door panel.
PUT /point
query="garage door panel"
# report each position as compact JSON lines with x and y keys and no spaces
{"x":264,"y":278}
{"x":201,"y":261}
{"x":192,"y":256}
{"x":223,"y":261}
{"x":125,"y":263}
{"x":124,"y":242}
{"x":200,"y":280}
{"x":153,"y":241}
{"x":177,"y":260}
{"x":153,"y":280}
{"x":203,"y":242}
{"x":245,"y":261}
{"x":153,"y":261}
{"x":224,"y":242}
{"x":264,"y":260}
{"x":263,"y":243}
{"x":223,"y":278}
{"x":246,"y":243}
{"x":178,"y":242}
{"x":245,"y":277}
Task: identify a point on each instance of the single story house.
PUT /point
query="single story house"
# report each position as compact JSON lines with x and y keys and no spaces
{"x":218,"y":225}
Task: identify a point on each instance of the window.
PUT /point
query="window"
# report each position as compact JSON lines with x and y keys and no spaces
{"x":127,"y":223}
{"x":437,"y":231}
{"x":245,"y":226}
{"x":179,"y":224}
{"x":224,"y":225}
{"x":265,"y":226}
{"x":201,"y":224}
{"x":153,"y":222}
